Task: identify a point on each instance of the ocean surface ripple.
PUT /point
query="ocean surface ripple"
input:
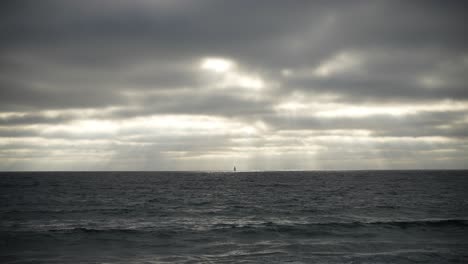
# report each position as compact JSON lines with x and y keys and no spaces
{"x":243,"y":217}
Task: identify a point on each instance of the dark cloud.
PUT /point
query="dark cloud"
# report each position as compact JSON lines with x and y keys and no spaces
{"x":425,"y":124}
{"x":104,"y":38}
{"x":28,"y":119}
{"x":119,"y":61}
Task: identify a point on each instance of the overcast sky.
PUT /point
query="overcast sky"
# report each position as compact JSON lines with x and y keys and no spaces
{"x":206,"y":85}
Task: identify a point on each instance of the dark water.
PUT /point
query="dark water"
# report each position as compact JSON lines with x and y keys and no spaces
{"x":265,"y":217}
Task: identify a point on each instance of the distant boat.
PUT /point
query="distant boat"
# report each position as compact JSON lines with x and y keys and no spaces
{"x":234,"y":169}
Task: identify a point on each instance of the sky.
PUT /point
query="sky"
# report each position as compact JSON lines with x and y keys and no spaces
{"x":208,"y":85}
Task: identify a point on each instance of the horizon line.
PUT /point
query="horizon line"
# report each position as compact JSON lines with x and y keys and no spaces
{"x":238,"y":171}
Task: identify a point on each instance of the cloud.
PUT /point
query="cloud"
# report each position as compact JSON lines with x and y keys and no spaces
{"x":204,"y":84}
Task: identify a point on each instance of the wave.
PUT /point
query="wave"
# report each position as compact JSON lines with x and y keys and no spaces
{"x":160,"y":233}
{"x":94,"y":230}
{"x":423,"y":222}
{"x":64,"y":211}
{"x":330,"y":228}
{"x":312,"y":228}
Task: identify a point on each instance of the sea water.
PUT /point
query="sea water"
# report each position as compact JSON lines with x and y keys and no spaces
{"x":243,"y":217}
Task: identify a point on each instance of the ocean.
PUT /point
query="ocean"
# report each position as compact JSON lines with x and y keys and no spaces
{"x":243,"y":217}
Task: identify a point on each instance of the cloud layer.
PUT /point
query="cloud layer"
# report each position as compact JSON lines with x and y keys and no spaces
{"x":204,"y":85}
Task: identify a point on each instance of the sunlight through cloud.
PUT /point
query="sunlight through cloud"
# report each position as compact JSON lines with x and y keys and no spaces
{"x":231,"y":76}
{"x":218,"y":65}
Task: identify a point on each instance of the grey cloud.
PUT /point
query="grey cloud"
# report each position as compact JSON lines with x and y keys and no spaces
{"x":387,"y":89}
{"x":415,"y":125}
{"x":133,"y":59}
{"x":18,"y":96}
{"x":214,"y":104}
{"x":14,"y":132}
{"x":102,"y":38}
{"x":28,"y":119}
